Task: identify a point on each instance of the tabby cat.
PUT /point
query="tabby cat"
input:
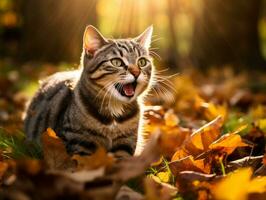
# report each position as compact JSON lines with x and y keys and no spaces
{"x":98,"y":105}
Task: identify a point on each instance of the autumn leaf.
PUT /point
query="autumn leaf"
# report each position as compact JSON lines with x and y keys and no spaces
{"x":189,"y":164}
{"x":164,"y":176}
{"x":238,"y":185}
{"x":199,"y":140}
{"x":171,"y":118}
{"x":156,"y":190}
{"x":99,"y":159}
{"x":3,"y":169}
{"x":212,"y":111}
{"x":228,"y":143}
{"x":54,"y":152}
{"x":171,"y":139}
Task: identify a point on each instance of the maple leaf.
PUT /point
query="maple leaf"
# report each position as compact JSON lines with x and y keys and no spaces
{"x":238,"y":185}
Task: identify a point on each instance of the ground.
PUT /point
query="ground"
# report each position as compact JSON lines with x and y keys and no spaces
{"x":205,"y":136}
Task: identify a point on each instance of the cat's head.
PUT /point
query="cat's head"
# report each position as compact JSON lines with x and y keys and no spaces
{"x":117,"y":68}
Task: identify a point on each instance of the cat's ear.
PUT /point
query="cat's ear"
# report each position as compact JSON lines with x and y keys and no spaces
{"x":93,"y":40}
{"x":144,"y":39}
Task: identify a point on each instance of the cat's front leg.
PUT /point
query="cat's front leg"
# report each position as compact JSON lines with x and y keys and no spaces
{"x":82,"y":142}
{"x":124,"y":146}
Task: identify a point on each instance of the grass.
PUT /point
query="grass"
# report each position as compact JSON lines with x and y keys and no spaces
{"x":14,"y":146}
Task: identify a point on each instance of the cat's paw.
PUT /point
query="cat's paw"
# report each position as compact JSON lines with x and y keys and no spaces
{"x":121,"y":155}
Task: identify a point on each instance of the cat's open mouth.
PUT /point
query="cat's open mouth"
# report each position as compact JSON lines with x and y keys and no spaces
{"x":127,"y":90}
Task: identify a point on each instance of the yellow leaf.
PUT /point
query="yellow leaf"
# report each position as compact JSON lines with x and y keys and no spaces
{"x":258,"y":112}
{"x":211,"y":110}
{"x":261,"y":123}
{"x":257,"y":185}
{"x":238,"y":185}
{"x":164,"y":176}
{"x":171,"y":119}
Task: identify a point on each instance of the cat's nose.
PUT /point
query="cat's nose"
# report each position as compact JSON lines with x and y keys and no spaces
{"x":134,"y":70}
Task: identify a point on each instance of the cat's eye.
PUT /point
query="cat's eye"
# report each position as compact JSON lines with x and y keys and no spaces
{"x":142,"y":62}
{"x":117,"y":62}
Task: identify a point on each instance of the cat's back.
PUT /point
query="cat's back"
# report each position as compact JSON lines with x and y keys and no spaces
{"x":49,"y":103}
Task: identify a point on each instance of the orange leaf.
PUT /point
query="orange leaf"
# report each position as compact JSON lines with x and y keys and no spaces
{"x":3,"y":169}
{"x":179,"y":154}
{"x":189,"y":164}
{"x":99,"y":159}
{"x":200,"y":140}
{"x":228,"y":143}
{"x":171,"y":119}
{"x":172,"y":139}
{"x":51,"y":133}
{"x":54,"y":152}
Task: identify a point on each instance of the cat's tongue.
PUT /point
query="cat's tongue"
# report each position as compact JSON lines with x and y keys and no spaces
{"x":129,"y":89}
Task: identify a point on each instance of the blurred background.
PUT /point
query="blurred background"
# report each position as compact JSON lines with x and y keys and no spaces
{"x":201,"y":33}
{"x":221,"y":43}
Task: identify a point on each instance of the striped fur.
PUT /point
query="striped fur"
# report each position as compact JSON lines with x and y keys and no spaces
{"x":86,"y":107}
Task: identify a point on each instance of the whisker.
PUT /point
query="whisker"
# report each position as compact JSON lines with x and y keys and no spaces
{"x":155,"y":55}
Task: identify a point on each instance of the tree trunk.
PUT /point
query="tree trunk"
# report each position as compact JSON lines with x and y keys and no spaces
{"x":53,"y":30}
{"x":172,"y":53}
{"x":226,"y":32}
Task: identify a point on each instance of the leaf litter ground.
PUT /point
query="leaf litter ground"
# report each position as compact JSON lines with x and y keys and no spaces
{"x":209,"y":143}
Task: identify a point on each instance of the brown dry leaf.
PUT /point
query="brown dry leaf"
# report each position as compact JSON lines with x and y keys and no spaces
{"x":3,"y":169}
{"x":189,"y":164}
{"x":30,"y":166}
{"x":155,"y":190}
{"x":126,"y":193}
{"x":99,"y":159}
{"x":54,"y":152}
{"x":248,"y":161}
{"x":240,"y":185}
{"x":195,"y":176}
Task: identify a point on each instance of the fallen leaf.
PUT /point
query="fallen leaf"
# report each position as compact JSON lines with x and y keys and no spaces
{"x":238,"y":185}
{"x":193,"y":176}
{"x":54,"y":152}
{"x":171,"y":118}
{"x":164,"y":176}
{"x":204,"y":136}
{"x":155,"y":190}
{"x":228,"y":143}
{"x":189,"y":164}
{"x":99,"y":159}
